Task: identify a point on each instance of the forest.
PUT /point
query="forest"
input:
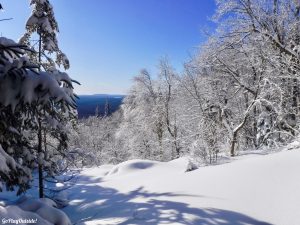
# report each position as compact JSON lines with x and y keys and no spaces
{"x":239,"y":92}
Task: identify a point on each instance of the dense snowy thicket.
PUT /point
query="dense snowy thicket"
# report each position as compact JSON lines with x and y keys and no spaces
{"x":93,"y":141}
{"x":241,"y":91}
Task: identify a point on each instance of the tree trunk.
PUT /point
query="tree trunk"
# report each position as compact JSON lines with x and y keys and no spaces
{"x":40,"y":164}
{"x":40,"y":137}
{"x":295,"y":102}
{"x":237,"y":129}
{"x":233,"y":142}
{"x":255,"y":128}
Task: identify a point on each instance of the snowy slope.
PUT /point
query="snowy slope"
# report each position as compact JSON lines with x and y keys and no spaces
{"x":256,"y":189}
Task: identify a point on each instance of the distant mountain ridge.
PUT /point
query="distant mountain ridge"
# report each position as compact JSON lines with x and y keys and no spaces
{"x":89,"y":104}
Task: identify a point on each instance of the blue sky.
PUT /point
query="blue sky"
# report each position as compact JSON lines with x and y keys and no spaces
{"x":109,"y":41}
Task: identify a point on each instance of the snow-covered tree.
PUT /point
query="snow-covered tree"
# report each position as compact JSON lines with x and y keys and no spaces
{"x":52,"y":118}
{"x":249,"y":68}
{"x":23,"y":92}
{"x":94,"y":141}
{"x":240,"y":91}
{"x":42,"y":23}
{"x":151,"y":122}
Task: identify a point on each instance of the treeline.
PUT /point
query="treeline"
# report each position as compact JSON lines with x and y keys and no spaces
{"x":239,"y":92}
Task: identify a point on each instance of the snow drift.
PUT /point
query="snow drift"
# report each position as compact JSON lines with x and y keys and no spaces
{"x":252,"y":189}
{"x":131,"y":166}
{"x":33,"y":211}
{"x":255,"y":189}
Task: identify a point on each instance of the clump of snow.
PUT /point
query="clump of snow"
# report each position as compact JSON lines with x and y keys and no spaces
{"x":191,"y":166}
{"x":7,"y":163}
{"x":15,"y":215}
{"x":29,"y":86}
{"x":49,"y":84}
{"x":36,"y":211}
{"x":295,"y":144}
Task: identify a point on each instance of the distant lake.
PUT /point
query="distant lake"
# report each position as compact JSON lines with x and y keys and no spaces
{"x":87,"y":104}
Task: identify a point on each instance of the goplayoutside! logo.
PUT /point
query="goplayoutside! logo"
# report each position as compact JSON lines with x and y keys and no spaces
{"x":18,"y":221}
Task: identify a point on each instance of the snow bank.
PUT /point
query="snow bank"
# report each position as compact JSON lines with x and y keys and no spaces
{"x":98,"y":171}
{"x":254,"y":189}
{"x":131,"y":166}
{"x":180,"y":165}
{"x":10,"y":214}
{"x":33,"y":211}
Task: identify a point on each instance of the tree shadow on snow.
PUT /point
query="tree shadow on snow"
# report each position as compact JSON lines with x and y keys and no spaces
{"x":140,"y":207}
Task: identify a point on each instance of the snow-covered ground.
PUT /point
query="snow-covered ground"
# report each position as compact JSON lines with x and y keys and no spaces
{"x":252,"y":189}
{"x":255,"y":189}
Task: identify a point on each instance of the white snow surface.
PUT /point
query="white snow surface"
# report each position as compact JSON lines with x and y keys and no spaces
{"x":254,"y":189}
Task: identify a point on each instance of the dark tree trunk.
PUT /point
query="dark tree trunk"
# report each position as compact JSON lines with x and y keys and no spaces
{"x":40,"y":137}
{"x":40,"y":164}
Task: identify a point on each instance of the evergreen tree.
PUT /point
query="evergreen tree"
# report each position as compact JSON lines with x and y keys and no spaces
{"x":43,"y":24}
{"x":23,"y":92}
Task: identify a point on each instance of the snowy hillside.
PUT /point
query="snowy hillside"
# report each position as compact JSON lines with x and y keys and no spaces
{"x":252,"y":189}
{"x":256,"y":189}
